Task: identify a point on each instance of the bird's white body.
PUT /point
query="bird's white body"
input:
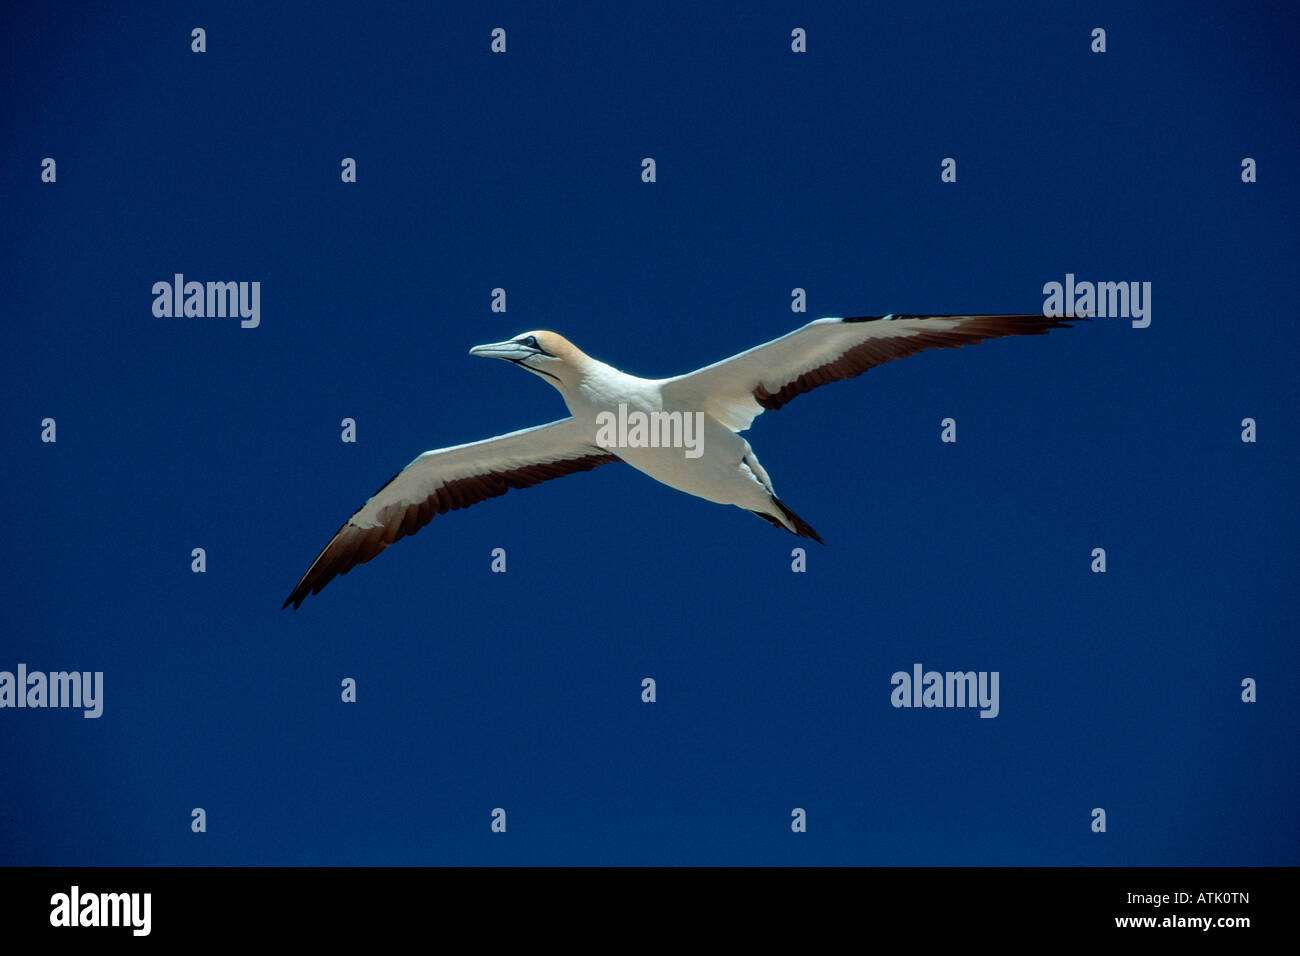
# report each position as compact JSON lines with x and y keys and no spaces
{"x":721,"y":473}
{"x":718,"y":401}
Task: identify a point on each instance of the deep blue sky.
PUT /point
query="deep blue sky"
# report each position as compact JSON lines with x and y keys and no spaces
{"x":522,"y":690}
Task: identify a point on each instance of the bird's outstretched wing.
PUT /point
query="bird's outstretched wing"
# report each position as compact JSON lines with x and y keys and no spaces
{"x":447,"y":479}
{"x":736,"y":390}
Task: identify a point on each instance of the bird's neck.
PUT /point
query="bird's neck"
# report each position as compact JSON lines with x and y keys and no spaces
{"x":596,"y":387}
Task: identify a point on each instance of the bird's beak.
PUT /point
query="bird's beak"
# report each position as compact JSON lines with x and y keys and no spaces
{"x":510,"y":351}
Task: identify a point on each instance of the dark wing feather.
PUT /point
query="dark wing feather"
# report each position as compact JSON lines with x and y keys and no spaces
{"x":737,"y":390}
{"x":446,"y":480}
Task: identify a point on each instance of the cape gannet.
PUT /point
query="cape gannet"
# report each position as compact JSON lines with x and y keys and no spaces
{"x":723,"y":399}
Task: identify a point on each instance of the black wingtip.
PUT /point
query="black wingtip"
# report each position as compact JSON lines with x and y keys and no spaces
{"x":802,"y":528}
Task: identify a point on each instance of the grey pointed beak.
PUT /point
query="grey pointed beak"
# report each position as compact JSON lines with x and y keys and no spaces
{"x":510,"y":351}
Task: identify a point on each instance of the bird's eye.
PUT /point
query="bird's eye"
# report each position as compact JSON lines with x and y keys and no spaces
{"x":531,"y":341}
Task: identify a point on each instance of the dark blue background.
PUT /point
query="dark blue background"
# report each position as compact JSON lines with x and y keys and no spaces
{"x":522,"y":690}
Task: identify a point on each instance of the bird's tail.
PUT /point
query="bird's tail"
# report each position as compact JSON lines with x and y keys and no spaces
{"x":793,"y":523}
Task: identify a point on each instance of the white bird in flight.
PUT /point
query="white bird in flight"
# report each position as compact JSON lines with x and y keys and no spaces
{"x":723,"y":398}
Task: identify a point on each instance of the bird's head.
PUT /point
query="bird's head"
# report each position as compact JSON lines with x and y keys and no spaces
{"x":547,"y":354}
